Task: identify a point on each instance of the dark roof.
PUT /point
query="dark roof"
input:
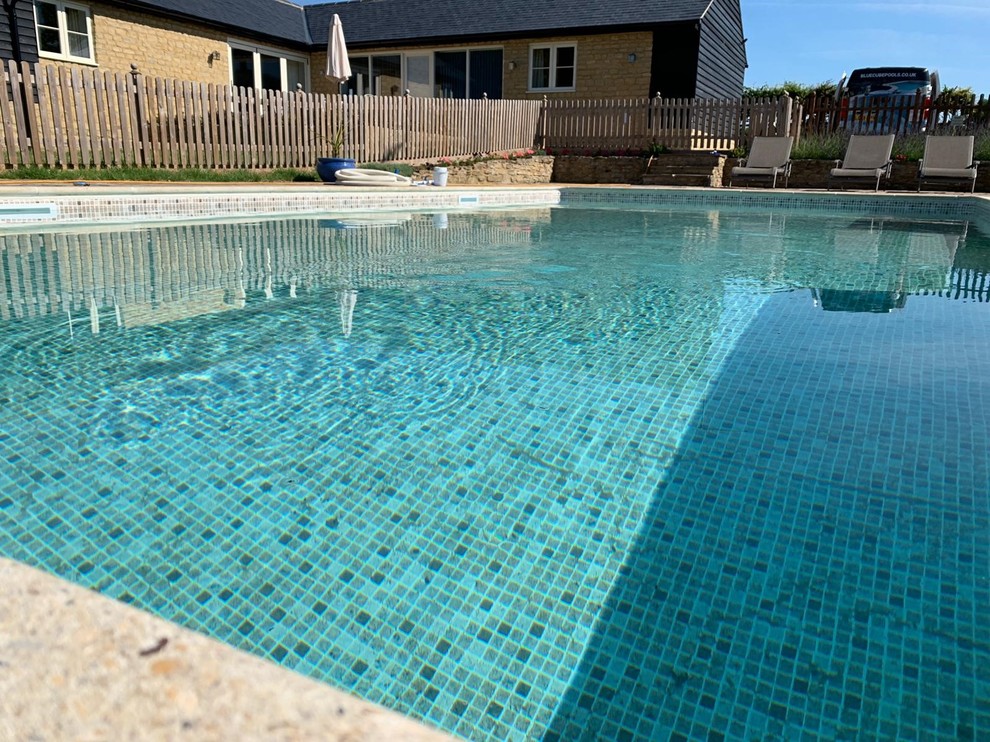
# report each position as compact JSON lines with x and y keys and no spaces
{"x":271,"y":19}
{"x":374,"y":21}
{"x":390,"y":21}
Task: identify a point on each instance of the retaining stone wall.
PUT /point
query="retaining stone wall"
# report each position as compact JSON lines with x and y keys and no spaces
{"x":524,"y":170}
{"x":629,"y":171}
{"x":903,"y":176}
{"x":612,"y":170}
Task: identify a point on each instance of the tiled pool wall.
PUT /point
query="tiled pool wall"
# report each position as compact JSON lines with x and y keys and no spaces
{"x":75,"y":206}
{"x":56,"y":206}
{"x":925,"y":205}
{"x":981,"y":212}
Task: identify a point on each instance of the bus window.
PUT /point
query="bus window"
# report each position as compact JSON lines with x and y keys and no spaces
{"x":889,"y":81}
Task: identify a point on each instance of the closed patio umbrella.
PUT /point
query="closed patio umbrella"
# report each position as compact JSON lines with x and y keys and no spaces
{"x":338,"y":68}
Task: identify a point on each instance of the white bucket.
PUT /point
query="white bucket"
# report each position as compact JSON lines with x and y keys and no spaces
{"x":439,"y":176}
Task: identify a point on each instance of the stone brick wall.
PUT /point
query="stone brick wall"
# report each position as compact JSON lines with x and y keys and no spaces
{"x":603,"y":66}
{"x":174,"y":49}
{"x":160,"y":47}
{"x":903,"y":177}
{"x":575,"y":169}
{"x":525,"y":170}
{"x":630,"y":170}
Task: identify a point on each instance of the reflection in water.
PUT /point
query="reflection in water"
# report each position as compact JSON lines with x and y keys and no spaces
{"x":895,"y":257}
{"x":834,"y":300}
{"x":163,"y":274}
{"x":347,"y":299}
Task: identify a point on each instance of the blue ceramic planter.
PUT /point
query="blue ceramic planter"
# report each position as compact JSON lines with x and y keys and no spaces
{"x":326,"y":167}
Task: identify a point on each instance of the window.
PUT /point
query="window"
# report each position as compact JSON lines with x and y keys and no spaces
{"x":462,"y":73}
{"x":267,"y":69}
{"x":485,"y":77}
{"x":65,"y":31}
{"x":552,"y":66}
{"x":467,"y":74}
{"x":450,"y":74}
{"x":376,"y":75}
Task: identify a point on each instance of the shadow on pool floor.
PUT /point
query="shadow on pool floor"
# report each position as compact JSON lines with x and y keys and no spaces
{"x":812,"y":566}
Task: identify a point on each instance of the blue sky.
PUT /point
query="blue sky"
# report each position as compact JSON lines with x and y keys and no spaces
{"x":812,"y":41}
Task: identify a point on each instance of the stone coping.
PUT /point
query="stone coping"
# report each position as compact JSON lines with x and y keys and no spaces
{"x":75,"y":665}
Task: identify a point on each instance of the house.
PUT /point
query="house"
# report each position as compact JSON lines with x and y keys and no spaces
{"x":459,"y":48}
{"x":261,"y":43}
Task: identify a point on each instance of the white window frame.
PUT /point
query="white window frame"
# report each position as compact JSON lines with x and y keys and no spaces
{"x":257,"y":51}
{"x":553,"y":87}
{"x":63,"y":32}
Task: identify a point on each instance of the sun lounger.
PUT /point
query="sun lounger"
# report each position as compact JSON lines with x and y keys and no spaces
{"x":768,"y":158}
{"x":948,"y":159}
{"x":867,"y":159}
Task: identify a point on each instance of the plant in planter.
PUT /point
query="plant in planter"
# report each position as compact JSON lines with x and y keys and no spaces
{"x":327,"y":167}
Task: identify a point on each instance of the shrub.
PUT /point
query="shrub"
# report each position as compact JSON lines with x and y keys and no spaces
{"x":981,"y":146}
{"x":909,"y":147}
{"x":401,"y":168}
{"x":657,"y":149}
{"x":821,"y":146}
{"x":186,"y":175}
{"x":477,"y":157}
{"x":651,"y":151}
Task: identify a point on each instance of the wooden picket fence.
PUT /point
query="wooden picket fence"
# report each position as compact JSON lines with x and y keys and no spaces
{"x":66,"y":117}
{"x":677,"y":123}
{"x":72,"y":118}
{"x":178,"y":270}
{"x":894,"y":115}
{"x":701,"y":124}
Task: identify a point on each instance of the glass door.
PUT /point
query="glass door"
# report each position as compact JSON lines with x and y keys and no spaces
{"x":418,"y":75}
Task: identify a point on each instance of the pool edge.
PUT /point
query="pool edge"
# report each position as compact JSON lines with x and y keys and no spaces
{"x":25,"y":205}
{"x":78,"y":665}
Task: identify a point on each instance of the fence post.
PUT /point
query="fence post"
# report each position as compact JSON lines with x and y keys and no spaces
{"x":19,"y":103}
{"x":407,"y":123}
{"x":788,"y":111}
{"x":653,"y":119}
{"x":541,"y":130}
{"x":140,"y":108}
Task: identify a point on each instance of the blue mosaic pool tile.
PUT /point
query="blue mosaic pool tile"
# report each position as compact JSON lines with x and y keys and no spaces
{"x":922,"y":206}
{"x":532,"y":493}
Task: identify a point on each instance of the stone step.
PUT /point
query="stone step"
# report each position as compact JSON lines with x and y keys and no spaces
{"x":686,"y":169}
{"x":668,"y":167}
{"x":678,"y":179}
{"x":700,"y":161}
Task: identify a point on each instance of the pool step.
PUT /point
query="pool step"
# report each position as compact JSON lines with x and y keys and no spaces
{"x":689,"y":169}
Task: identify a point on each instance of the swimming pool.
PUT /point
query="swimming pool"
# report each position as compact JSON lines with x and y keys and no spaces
{"x":568,"y":473}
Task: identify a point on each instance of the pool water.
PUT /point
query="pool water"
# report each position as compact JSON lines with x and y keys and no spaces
{"x":551,"y":473}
